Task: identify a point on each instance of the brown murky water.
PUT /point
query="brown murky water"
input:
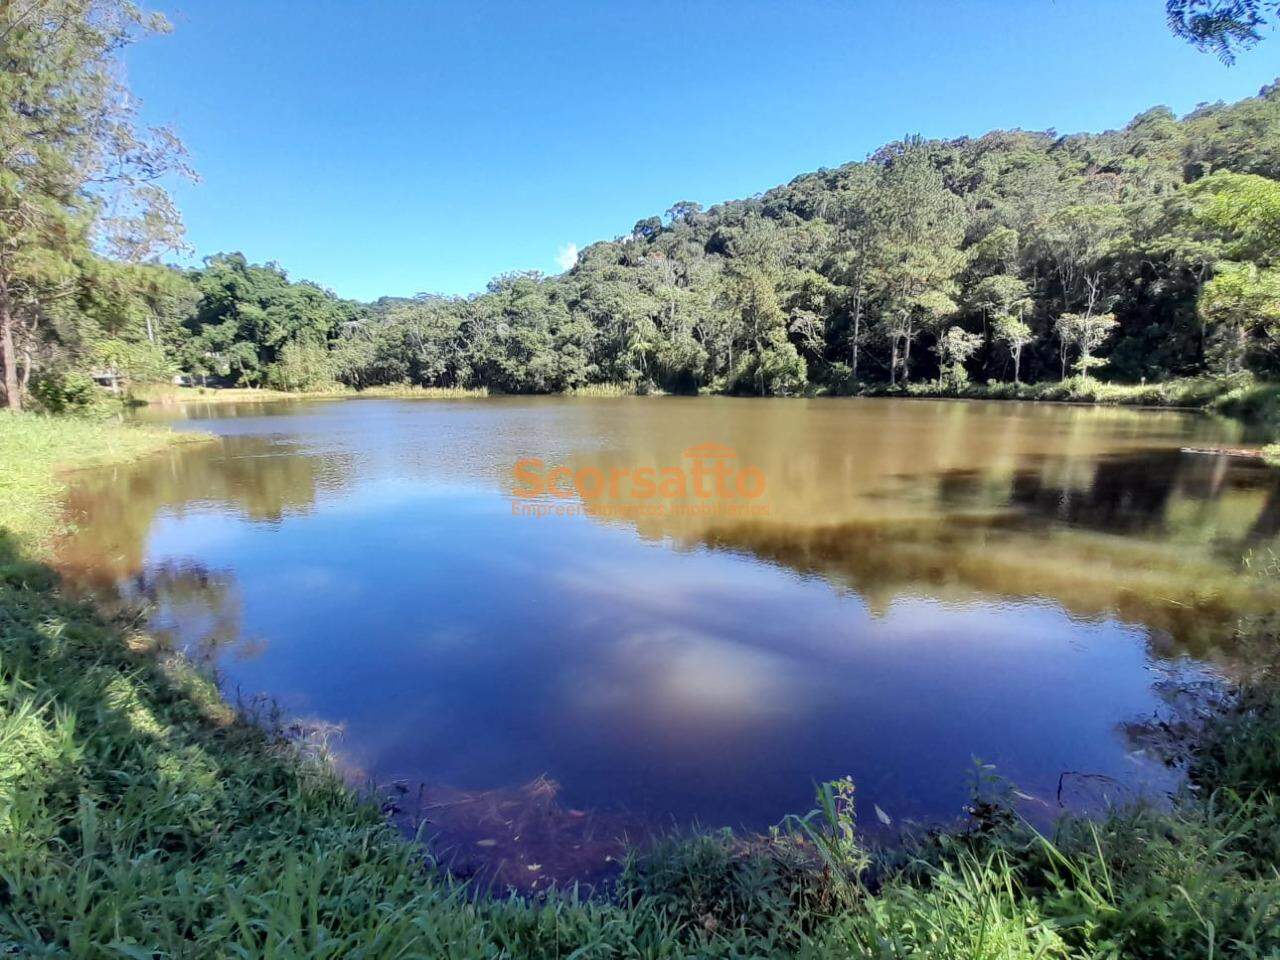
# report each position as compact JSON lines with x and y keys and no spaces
{"x":917,"y":584}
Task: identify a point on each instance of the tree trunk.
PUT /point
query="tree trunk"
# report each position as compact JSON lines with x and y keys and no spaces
{"x":1017,"y":363}
{"x":8,"y":355}
{"x":857,"y":332}
{"x":857,"y":308}
{"x":893,"y":361}
{"x":24,"y":377}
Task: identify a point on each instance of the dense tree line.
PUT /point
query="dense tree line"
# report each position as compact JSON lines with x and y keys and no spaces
{"x":1142,"y":253}
{"x":1146,"y":252}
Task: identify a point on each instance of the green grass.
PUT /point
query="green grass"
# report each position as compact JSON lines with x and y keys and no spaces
{"x":604,"y":390}
{"x":410,"y":391}
{"x":1238,"y":395}
{"x":35,"y":452}
{"x":164,"y":394}
{"x":140,"y":817}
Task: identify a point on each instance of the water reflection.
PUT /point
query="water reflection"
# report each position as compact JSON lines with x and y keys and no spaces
{"x":934,"y":581}
{"x":1177,"y":572}
{"x":259,"y":478}
{"x":197,"y":609}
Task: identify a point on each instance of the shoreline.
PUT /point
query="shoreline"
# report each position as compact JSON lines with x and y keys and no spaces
{"x":1229,"y":396}
{"x":193,"y":829}
{"x":1256,"y":405}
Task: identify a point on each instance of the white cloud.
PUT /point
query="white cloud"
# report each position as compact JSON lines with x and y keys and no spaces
{"x":567,"y":256}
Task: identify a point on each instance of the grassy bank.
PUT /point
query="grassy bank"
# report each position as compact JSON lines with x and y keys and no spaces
{"x":163,"y":394}
{"x":1239,"y":396}
{"x":139,"y":817}
{"x":35,"y":452}
{"x":604,"y":390}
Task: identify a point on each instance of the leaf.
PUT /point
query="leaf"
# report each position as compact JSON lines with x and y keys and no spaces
{"x":132,"y":950}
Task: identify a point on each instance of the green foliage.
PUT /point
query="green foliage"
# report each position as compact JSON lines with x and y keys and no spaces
{"x":1015,"y":334}
{"x":871,"y":272}
{"x":1241,"y":209}
{"x":76,"y":172}
{"x":1227,"y":27}
{"x":1085,"y":333}
{"x":772,"y":370}
{"x":302,"y":365}
{"x":247,"y":315}
{"x":133,"y":362}
{"x":840,"y":277}
{"x":954,"y":347}
{"x":64,"y":392}
{"x":1238,"y":305}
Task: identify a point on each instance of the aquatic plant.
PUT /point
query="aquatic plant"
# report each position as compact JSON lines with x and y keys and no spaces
{"x":605,"y":390}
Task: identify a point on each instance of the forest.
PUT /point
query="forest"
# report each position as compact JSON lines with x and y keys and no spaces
{"x":1135,"y":255}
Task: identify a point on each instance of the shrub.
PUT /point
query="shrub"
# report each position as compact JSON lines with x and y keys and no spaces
{"x":303,"y":365}
{"x":64,"y":392}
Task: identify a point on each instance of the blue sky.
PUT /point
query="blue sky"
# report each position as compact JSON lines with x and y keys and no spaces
{"x":384,"y":147}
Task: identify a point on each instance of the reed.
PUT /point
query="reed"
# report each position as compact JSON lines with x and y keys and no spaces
{"x":415,"y":392}
{"x":603,"y":390}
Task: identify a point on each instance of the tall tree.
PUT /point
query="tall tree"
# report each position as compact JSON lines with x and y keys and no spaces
{"x":1079,"y":241}
{"x":76,"y":170}
{"x":954,"y":347}
{"x":919,"y":256}
{"x":1085,"y":332}
{"x":1241,"y":301}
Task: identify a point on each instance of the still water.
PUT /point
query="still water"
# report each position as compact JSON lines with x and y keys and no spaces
{"x":919,"y":584}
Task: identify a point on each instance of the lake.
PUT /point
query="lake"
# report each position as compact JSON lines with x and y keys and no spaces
{"x":529,"y":673}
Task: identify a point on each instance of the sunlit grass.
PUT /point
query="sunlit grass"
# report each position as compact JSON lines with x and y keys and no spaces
{"x":35,"y":452}
{"x":1237,"y":395}
{"x":164,"y":394}
{"x":603,"y":390}
{"x":414,"y":392}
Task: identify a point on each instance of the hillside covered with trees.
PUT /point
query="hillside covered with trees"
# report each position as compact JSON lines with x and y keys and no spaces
{"x":1140,"y":254}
